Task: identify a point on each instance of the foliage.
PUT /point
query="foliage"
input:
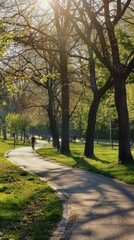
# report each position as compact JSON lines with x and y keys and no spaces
{"x":12,"y":121}
{"x":104,"y":162}
{"x":44,"y":78}
{"x":78,"y":123}
{"x":102,"y":74}
{"x":130,"y":100}
{"x":6,"y":37}
{"x":23,"y":122}
{"x":14,"y":82}
{"x":107,"y":111}
{"x":16,"y":122}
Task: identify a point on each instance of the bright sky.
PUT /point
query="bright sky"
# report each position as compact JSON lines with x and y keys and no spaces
{"x":43,"y":3}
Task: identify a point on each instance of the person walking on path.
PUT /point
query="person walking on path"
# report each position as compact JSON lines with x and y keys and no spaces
{"x":33,"y":140}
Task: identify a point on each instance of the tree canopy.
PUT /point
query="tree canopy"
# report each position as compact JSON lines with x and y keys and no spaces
{"x":68,"y":58}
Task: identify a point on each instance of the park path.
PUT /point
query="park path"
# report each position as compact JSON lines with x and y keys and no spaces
{"x":100,"y":208}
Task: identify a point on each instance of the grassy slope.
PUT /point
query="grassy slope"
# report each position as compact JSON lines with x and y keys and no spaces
{"x":28,"y":207}
{"x":105,"y":162}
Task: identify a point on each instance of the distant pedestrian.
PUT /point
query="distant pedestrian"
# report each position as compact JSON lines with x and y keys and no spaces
{"x":74,"y":138}
{"x":27,"y":137}
{"x":33,"y":140}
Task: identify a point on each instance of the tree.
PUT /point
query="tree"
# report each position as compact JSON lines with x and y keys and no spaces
{"x":63,"y":28}
{"x":48,"y":45}
{"x":98,"y":93}
{"x":12,"y":122}
{"x":102,"y":19}
{"x":97,"y":90}
{"x":23,"y":125}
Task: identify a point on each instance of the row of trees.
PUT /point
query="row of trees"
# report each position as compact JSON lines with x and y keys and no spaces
{"x":17,"y":122}
{"x":74,"y":51}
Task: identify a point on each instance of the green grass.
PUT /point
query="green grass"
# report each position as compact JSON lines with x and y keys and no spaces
{"x":105,"y":161}
{"x":29,"y":208}
{"x":10,"y":143}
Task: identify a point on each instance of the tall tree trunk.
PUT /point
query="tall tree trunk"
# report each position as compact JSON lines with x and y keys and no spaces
{"x":125,"y":155}
{"x":65,"y":100}
{"x":51,"y":115}
{"x":63,"y":28}
{"x":89,"y":145}
{"x":53,"y":127}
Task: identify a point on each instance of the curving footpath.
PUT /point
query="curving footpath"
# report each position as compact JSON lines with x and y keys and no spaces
{"x":95,"y":207}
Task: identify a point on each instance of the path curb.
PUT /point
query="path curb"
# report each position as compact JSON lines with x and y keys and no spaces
{"x":62,"y":225}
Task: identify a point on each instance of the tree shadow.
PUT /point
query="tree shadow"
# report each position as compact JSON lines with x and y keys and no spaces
{"x":99,"y":198}
{"x":84,"y":163}
{"x":93,"y":157}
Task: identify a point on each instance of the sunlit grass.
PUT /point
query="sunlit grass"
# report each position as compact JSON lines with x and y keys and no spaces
{"x":29,"y":209}
{"x":10,"y":142}
{"x":105,"y":161}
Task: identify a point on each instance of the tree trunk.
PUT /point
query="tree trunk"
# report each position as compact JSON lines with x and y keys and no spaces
{"x":51,"y":115}
{"x":24,"y":134}
{"x":89,"y":145}
{"x":4,"y":132}
{"x":90,"y":133}
{"x":65,"y":100}
{"x":125,"y":155}
{"x":65,"y":121}
{"x":53,"y":127}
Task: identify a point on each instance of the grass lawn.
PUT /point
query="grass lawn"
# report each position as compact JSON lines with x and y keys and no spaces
{"x":29,"y":208}
{"x":104,"y":163}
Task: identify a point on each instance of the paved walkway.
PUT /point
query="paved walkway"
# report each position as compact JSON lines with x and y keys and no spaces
{"x":100,"y":208}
